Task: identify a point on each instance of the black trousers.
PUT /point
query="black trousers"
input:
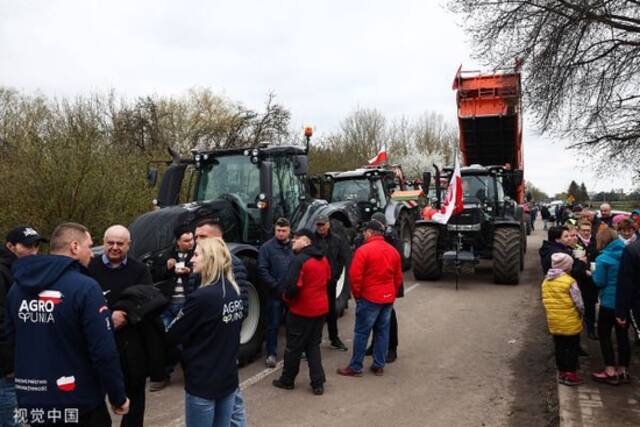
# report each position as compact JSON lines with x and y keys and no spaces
{"x":332,"y":317}
{"x":606,"y":322}
{"x":567,"y":348}
{"x":393,"y":333}
{"x":136,"y":394}
{"x":303,"y":335}
{"x":98,"y":417}
{"x":589,"y":294}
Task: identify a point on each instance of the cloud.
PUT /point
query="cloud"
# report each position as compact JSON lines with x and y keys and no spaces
{"x":322,"y":59}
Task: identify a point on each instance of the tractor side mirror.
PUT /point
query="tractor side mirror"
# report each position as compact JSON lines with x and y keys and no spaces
{"x":300,"y":165}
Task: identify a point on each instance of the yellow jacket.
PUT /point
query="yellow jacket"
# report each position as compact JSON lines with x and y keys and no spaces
{"x":562,"y":315}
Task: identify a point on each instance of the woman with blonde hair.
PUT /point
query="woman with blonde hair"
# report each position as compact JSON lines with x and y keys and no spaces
{"x":208,"y":328}
{"x":605,"y":277}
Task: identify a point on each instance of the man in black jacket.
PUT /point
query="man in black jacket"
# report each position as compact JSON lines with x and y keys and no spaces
{"x":628,"y":291}
{"x":273,"y":263}
{"x":336,"y":250}
{"x":140,"y":357}
{"x":176,"y":272}
{"x":20,"y":242}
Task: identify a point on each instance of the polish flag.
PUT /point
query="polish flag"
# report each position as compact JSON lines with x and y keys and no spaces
{"x":54,"y":296}
{"x":381,"y":157}
{"x":453,"y":203}
{"x":66,"y":383}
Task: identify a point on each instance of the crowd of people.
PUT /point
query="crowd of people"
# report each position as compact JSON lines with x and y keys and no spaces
{"x":591,"y":261}
{"x":78,"y":330}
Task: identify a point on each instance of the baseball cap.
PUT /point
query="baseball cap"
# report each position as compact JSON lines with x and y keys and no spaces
{"x":379,"y":216}
{"x":322,"y":219}
{"x":375,"y":226}
{"x":24,"y":235}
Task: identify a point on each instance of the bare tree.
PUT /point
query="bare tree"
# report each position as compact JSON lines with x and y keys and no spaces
{"x":581,"y":63}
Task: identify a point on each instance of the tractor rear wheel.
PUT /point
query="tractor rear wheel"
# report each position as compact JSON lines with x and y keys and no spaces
{"x":424,"y":257}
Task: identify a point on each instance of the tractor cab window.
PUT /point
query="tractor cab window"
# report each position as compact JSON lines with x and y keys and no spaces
{"x":351,"y":189}
{"x":379,"y":190}
{"x":480,"y":188}
{"x":236,"y":179}
{"x":286,"y":188}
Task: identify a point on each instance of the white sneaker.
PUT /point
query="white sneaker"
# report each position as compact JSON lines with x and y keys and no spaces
{"x":270,"y":362}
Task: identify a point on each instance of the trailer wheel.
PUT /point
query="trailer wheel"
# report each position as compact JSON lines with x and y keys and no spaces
{"x":425,"y":261}
{"x":507,"y":252}
{"x":253,"y":326}
{"x":405,"y":232}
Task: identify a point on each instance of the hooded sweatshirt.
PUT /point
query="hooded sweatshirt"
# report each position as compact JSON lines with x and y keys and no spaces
{"x":306,"y":287}
{"x":66,"y":355}
{"x":606,"y":274}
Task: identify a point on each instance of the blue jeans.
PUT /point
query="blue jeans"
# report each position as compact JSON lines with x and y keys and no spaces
{"x":273,"y":325}
{"x":170,"y":312}
{"x":7,"y":403}
{"x":238,"y":417}
{"x":201,"y":412}
{"x":376,"y":317}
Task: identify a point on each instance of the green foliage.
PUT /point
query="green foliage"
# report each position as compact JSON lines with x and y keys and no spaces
{"x":85,"y":160}
{"x":415,"y":144}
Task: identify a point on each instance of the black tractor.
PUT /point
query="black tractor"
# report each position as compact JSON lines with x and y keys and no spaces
{"x":245,"y":190}
{"x":491,"y":227}
{"x":363,"y":192}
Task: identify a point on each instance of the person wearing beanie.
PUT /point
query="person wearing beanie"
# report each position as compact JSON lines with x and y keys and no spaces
{"x":606,"y":279}
{"x":564,"y":308}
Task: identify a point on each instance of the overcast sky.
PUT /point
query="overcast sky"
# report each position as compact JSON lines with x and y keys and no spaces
{"x":322,"y":59}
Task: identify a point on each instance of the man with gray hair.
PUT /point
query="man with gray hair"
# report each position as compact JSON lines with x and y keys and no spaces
{"x":115,"y":271}
{"x":605,"y":214}
{"x":66,"y":357}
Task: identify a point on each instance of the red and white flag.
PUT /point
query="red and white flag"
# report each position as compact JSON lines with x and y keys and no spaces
{"x":381,"y":157}
{"x":66,"y":383}
{"x":453,"y":203}
{"x":54,"y":296}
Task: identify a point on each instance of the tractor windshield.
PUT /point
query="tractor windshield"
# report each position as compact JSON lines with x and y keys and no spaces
{"x":358,"y":190}
{"x":234,"y":175}
{"x":480,"y":188}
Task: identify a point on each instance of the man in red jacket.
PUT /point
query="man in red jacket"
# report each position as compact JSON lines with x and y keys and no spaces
{"x":376,"y":276}
{"x":308,"y":301}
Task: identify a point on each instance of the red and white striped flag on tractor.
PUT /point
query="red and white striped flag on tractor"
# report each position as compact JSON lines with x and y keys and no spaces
{"x":381,"y":157}
{"x":453,"y":204}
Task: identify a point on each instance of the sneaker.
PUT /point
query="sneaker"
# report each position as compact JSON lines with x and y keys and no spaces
{"x":392,"y":356}
{"x":158,"y":385}
{"x":377,"y":371}
{"x":318,"y":391}
{"x":571,"y":379}
{"x":338,"y":345}
{"x":603,"y":377}
{"x":270,"y":361}
{"x":278,"y":383}
{"x":348,"y":372}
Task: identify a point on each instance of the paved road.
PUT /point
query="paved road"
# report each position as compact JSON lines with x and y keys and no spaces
{"x":478,"y":356}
